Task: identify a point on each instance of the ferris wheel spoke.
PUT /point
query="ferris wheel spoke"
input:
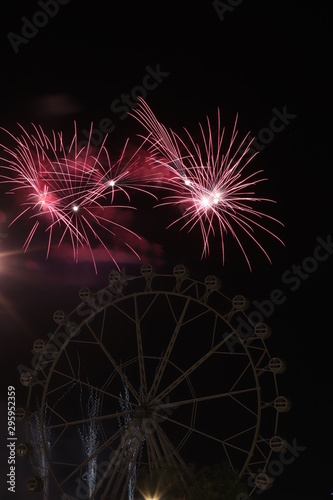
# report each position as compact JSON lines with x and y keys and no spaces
{"x":98,"y":450}
{"x":72,"y":381}
{"x":58,"y":437}
{"x":151,"y":454}
{"x":214,"y":330}
{"x":168,"y":448}
{"x":244,"y":406}
{"x":260,"y":360}
{"x":115,"y":365}
{"x":197,"y":316}
{"x":194,"y":367}
{"x":54,"y":412}
{"x":192,"y":287}
{"x":149,"y":306}
{"x":118,"y":461}
{"x":241,"y":375}
{"x":102,"y":326}
{"x":143,"y":382}
{"x":167,"y":354}
{"x":176,"y":404}
{"x":204,"y":434}
{"x":127,"y":468}
{"x":155,"y":449}
{"x":97,"y":418}
{"x":252,"y":428}
{"x":75,"y":381}
{"x":69,"y":363}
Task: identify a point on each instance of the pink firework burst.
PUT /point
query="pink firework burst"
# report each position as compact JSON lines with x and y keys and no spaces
{"x":211,"y":183}
{"x":66,"y":191}
{"x":132,"y":172}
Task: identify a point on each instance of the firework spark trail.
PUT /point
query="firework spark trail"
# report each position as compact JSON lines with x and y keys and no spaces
{"x":42,"y":447}
{"x":160,"y":139}
{"x":128,"y":174}
{"x":132,"y":443}
{"x":72,"y":193}
{"x":89,"y":433}
{"x":209,"y":181}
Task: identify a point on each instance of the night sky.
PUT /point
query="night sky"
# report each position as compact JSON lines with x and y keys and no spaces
{"x":257,"y":59}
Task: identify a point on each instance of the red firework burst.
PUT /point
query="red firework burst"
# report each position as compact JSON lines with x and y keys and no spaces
{"x":67,"y":192}
{"x":209,"y":182}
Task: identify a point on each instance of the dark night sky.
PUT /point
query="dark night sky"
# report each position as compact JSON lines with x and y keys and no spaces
{"x":261,"y":56}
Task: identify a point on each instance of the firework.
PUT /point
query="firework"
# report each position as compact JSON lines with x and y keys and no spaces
{"x":133,"y":172}
{"x":70,"y":192}
{"x":210,"y":182}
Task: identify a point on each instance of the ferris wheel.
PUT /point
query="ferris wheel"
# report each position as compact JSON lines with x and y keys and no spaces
{"x":151,"y":369}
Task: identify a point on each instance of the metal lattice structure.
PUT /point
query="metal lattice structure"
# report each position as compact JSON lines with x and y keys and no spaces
{"x":171,"y":377}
